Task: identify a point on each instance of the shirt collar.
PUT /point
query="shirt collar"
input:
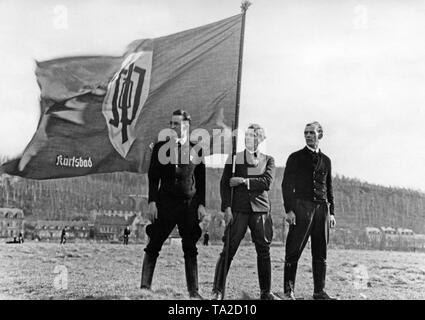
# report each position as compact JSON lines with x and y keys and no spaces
{"x":251,"y":152}
{"x":313,"y":150}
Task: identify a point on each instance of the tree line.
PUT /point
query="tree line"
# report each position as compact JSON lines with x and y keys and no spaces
{"x":357,"y":203}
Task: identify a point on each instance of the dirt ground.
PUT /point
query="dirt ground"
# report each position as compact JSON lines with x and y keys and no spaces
{"x":36,"y":270}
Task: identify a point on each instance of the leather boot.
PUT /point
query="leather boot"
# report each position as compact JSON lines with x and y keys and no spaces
{"x":191,"y":269}
{"x":264,"y":278}
{"x":218,"y":285}
{"x":218,"y":279}
{"x":319,"y":278}
{"x":147,"y":271}
{"x":289,"y":275}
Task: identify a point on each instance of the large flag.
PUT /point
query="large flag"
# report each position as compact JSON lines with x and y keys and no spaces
{"x":102,"y":114}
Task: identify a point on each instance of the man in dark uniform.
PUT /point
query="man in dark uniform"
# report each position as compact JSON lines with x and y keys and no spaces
{"x":21,"y":238}
{"x":254,"y":174}
{"x":309,"y":205}
{"x":206,"y":238}
{"x":126,"y":234}
{"x":63,"y":235}
{"x":176,"y":196}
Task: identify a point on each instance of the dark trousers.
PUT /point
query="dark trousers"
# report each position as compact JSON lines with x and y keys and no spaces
{"x":172,"y":212}
{"x":261,"y":227}
{"x":312,"y":219}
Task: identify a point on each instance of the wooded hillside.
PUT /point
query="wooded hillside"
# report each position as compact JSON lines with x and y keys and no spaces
{"x":358,"y":203}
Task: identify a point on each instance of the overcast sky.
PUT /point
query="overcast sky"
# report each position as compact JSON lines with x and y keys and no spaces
{"x":358,"y":67}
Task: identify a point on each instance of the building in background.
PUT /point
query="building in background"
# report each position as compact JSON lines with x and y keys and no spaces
{"x":11,"y":222}
{"x":52,"y":229}
{"x":110,"y":227}
{"x":110,"y":224}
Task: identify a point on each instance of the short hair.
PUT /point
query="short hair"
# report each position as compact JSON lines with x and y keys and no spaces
{"x":318,"y":126}
{"x":184,"y":114}
{"x":258,"y":131}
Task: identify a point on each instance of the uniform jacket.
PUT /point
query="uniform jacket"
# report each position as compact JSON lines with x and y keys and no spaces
{"x":304,"y":180}
{"x":260,"y":178}
{"x":183,"y":181}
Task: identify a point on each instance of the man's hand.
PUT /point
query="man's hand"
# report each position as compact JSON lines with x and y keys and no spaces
{"x":235,"y":181}
{"x":290,"y":218}
{"x":152,"y":211}
{"x":201,"y":212}
{"x":228,"y":216}
{"x":332,"y":221}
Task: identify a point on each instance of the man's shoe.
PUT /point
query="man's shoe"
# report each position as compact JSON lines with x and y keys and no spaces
{"x":289,"y":275}
{"x":289,"y":295}
{"x":322,"y":295}
{"x":268,"y":296}
{"x":195,"y":295}
{"x":217,"y":295}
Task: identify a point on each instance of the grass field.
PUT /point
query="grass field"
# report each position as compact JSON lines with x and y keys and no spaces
{"x":36,"y":270}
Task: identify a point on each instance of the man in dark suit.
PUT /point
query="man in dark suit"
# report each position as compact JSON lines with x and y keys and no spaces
{"x":176,"y":196}
{"x":206,"y":238}
{"x":126,"y":234}
{"x":309,"y":205}
{"x":254,"y":174}
{"x":63,"y":235}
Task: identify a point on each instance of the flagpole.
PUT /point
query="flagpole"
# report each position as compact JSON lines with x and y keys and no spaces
{"x":244,"y":7}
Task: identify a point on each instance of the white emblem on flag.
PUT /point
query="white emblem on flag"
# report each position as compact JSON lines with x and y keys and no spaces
{"x":127,"y":93}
